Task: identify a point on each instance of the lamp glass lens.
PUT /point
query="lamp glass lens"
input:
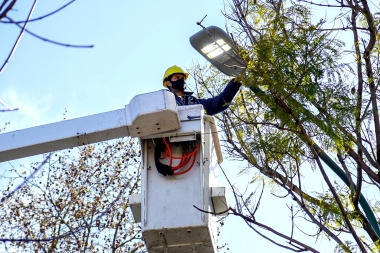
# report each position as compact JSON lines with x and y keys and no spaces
{"x":216,"y":48}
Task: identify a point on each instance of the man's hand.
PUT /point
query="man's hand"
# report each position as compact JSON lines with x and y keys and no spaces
{"x":239,"y":77}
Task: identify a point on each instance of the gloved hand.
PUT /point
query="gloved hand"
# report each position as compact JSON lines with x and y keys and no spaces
{"x":162,"y":168}
{"x":239,"y":77}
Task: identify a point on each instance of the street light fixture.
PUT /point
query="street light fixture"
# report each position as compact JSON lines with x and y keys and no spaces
{"x":218,"y":48}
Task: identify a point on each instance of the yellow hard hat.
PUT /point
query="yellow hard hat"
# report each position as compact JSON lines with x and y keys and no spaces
{"x":174,"y":70}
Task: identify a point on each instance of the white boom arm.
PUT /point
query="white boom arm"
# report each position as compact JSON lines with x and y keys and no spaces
{"x":146,"y":114}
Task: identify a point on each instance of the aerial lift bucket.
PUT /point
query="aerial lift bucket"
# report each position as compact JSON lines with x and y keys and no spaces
{"x":166,"y":205}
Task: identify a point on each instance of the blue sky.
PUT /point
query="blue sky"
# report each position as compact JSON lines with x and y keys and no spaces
{"x":134,"y":42}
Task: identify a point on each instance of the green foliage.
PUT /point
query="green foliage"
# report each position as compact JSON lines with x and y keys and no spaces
{"x":304,"y":87}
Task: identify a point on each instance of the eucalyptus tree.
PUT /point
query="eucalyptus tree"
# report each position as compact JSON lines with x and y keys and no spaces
{"x":309,"y":105}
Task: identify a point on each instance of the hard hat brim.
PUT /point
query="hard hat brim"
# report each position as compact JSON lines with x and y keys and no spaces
{"x":185,"y":74}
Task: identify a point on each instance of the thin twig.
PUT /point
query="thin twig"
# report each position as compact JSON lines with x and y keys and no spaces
{"x":19,"y":37}
{"x":52,"y":41}
{"x":73,"y":232}
{"x":7,"y":106}
{"x":26,"y":179}
{"x":39,"y":18}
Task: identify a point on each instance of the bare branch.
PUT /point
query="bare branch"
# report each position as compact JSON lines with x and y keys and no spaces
{"x":19,"y":36}
{"x":39,"y":18}
{"x":53,"y":42}
{"x":6,"y":106}
{"x":3,"y":199}
{"x":7,"y":9}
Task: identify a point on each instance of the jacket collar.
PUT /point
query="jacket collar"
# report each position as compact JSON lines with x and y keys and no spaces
{"x":188,"y":93}
{"x":185,"y":93}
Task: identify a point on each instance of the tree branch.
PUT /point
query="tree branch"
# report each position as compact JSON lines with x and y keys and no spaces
{"x":20,"y":34}
{"x":51,"y":41}
{"x":39,"y":18}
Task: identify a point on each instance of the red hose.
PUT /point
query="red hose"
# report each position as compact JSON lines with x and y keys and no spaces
{"x":187,"y":160}
{"x":181,"y":157}
{"x":170,"y":151}
{"x":183,"y":162}
{"x":191,"y":166}
{"x":184,"y":158}
{"x":194,"y":154}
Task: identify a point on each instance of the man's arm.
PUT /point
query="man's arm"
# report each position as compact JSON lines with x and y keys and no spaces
{"x":221,"y":102}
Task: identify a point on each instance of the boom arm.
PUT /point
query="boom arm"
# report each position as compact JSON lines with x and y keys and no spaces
{"x":146,"y":114}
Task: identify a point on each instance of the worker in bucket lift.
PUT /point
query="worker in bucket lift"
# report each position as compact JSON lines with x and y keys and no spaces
{"x":175,"y":80}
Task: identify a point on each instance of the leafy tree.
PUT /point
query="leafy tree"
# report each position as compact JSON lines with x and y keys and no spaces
{"x":75,"y":202}
{"x":71,"y":202}
{"x":308,"y":97}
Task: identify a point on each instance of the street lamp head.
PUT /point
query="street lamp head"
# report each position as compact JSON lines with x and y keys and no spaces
{"x":218,"y":48}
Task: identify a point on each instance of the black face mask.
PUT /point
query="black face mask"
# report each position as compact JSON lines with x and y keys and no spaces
{"x":180,"y":84}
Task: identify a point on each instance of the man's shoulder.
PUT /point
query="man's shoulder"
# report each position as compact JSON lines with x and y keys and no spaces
{"x":189,"y":98}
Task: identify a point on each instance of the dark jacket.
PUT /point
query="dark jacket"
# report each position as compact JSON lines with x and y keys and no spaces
{"x":211,"y":105}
